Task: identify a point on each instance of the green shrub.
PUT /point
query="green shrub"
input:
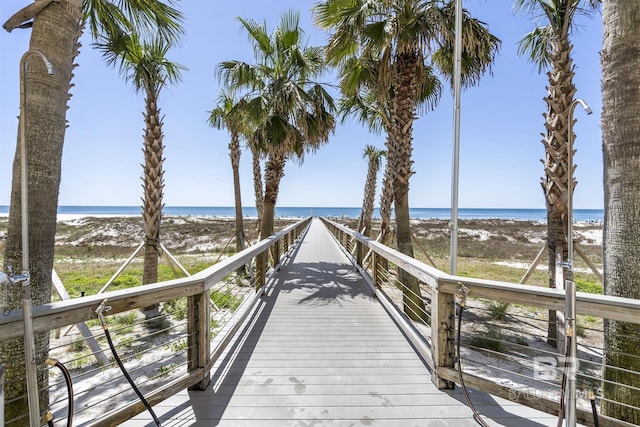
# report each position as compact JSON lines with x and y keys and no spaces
{"x":225,"y":300}
{"x":492,"y":339}
{"x":498,"y":309}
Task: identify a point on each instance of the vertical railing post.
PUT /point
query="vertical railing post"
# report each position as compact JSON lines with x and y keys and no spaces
{"x":198,"y":337}
{"x":261,"y":269}
{"x":375,"y":266}
{"x":286,"y":241}
{"x":442,"y":335}
{"x":277,"y":252}
{"x":359,"y":253}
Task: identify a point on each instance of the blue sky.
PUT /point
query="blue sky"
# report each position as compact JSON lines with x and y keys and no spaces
{"x":500,"y":148}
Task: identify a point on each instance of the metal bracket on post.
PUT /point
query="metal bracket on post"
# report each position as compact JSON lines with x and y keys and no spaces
{"x":461,"y":295}
{"x":100,"y":312}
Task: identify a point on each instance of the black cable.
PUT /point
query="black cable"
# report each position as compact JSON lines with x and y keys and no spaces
{"x":476,"y":415}
{"x":128,"y":377}
{"x":594,"y":410}
{"x":67,"y":380}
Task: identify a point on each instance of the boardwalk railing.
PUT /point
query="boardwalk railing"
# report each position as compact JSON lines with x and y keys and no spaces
{"x":505,"y":344}
{"x":164,"y":354}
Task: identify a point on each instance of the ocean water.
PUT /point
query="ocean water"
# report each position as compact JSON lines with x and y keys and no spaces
{"x":586,"y":215}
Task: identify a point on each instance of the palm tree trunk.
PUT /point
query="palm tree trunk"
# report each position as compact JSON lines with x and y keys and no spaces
{"x":621,"y":147}
{"x":274,"y":172}
{"x":386,"y":201}
{"x":234,"y":153}
{"x":257,"y":182}
{"x":153,"y":188}
{"x":55,"y":33}
{"x":400,"y":149}
{"x":557,"y":174}
{"x":364,"y":225}
{"x":556,"y":233}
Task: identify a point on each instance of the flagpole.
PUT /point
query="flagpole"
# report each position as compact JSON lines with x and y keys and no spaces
{"x":453,"y":253}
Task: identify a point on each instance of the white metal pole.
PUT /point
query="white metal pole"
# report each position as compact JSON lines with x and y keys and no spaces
{"x":457,"y":70}
{"x":29,"y":343}
{"x":570,"y":287}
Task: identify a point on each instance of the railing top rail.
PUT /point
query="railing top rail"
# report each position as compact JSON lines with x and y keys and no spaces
{"x":61,"y":313}
{"x":605,"y":306}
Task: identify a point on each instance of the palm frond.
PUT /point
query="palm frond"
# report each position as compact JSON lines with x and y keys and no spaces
{"x":150,"y":18}
{"x":536,"y":46}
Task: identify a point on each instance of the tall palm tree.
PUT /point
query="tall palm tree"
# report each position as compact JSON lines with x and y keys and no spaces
{"x":549,"y":47}
{"x":256,"y":169}
{"x":374,"y":156}
{"x":145,"y":65}
{"x":362,"y":98}
{"x":56,"y":29}
{"x":621,"y":148}
{"x":294,"y":114}
{"x":405,"y":35}
{"x":229,"y":114}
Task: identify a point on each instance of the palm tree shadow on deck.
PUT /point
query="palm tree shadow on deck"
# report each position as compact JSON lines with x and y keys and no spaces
{"x":226,"y":377}
{"x":324,"y":283}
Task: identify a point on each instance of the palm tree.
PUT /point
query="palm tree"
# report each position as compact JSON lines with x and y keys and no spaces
{"x":229,"y":114}
{"x":145,"y":65}
{"x":293,"y":113}
{"x":404,"y":35}
{"x":621,"y":148}
{"x":257,"y":180}
{"x":374,"y":156}
{"x":56,"y":29}
{"x":362,"y":98}
{"x":549,"y":47}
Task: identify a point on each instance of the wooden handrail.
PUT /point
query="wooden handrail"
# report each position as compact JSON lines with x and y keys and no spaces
{"x":604,"y":306}
{"x":61,"y":313}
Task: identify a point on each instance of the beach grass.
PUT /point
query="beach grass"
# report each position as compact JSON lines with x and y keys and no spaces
{"x":89,"y":250}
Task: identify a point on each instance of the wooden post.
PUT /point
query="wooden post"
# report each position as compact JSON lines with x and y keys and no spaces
{"x":359,"y":253}
{"x":95,"y":348}
{"x":375,"y":267}
{"x":442,"y":336}
{"x":533,"y":266}
{"x":260,"y":270}
{"x":275,"y":253}
{"x":198,"y":337}
{"x":586,"y":259}
{"x":286,"y":243}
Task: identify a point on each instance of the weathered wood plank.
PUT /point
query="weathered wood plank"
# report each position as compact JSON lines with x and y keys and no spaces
{"x":319,"y":349}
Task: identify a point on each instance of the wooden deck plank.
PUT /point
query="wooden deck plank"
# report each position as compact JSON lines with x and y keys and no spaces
{"x":320,"y":350}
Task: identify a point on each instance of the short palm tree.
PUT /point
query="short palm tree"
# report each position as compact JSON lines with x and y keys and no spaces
{"x":374,"y":156}
{"x":549,"y":47}
{"x":229,"y":114}
{"x":145,"y":65}
{"x":294,"y":114}
{"x":56,"y":32}
{"x":405,"y":35}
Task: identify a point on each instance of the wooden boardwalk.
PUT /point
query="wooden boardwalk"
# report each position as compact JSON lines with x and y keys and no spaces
{"x":321,"y":351}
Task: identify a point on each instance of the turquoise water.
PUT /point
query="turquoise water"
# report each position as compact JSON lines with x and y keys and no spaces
{"x":592,"y":215}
